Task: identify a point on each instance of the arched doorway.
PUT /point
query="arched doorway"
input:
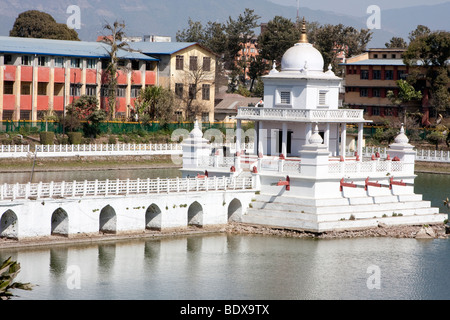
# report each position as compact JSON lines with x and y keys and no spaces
{"x":195,"y":214}
{"x":108,"y":220}
{"x":60,"y":222}
{"x":235,"y":210}
{"x":153,"y":217}
{"x":9,"y":225}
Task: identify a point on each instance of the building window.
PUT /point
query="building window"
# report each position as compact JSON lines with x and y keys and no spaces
{"x":75,"y":90}
{"x":376,"y":74}
{"x":376,"y":93}
{"x":179,"y":63}
{"x":375,"y":111}
{"x":375,"y":56}
{"x":364,"y":74}
{"x":42,"y":61}
{"x":401,"y":75}
{"x":42,"y":88}
{"x":206,"y":64}
{"x":25,"y":88}
{"x":121,"y":91}
{"x":59,"y":89}
{"x":393,"y":56}
{"x":135,"y":91}
{"x":193,"y":63}
{"x":75,"y":63}
{"x":7,"y":59}
{"x":388,"y":112}
{"x":8,"y":87}
{"x":91,"y":90}
{"x":384,"y":56}
{"x":285,"y":97}
{"x":205,"y":117}
{"x":192,"y":91}
{"x":206,"y":88}
{"x":91,"y":64}
{"x":59,"y":62}
{"x":389,"y":75}
{"x":363,"y":92}
{"x":322,"y":98}
{"x":179,"y":90}
{"x":135,"y":65}
{"x":27,"y":60}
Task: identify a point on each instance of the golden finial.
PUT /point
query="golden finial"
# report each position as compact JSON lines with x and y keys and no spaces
{"x":303,"y":37}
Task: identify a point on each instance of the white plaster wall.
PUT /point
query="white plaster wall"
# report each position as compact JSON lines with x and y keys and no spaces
{"x":34,"y":217}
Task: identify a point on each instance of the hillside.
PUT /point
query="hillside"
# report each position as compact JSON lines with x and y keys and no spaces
{"x":167,"y":17}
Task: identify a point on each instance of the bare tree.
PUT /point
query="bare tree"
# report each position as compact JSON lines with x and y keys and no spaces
{"x":194,"y":86}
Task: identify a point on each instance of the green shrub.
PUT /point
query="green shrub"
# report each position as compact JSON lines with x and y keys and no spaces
{"x":46,"y":137}
{"x":75,"y":137}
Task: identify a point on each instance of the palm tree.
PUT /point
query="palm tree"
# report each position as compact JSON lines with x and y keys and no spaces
{"x":8,"y":271}
{"x":115,"y":41}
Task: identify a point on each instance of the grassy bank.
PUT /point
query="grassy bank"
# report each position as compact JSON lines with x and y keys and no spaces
{"x":86,"y":163}
{"x":432,"y":167}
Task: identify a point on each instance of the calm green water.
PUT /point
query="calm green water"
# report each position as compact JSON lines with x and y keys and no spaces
{"x":243,"y":267}
{"x":238,"y":268}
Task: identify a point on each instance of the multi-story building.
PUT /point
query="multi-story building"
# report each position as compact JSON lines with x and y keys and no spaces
{"x":189,"y":70}
{"x":368,"y":78}
{"x":37,"y":75}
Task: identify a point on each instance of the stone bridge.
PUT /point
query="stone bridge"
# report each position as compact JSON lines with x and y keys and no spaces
{"x":118,"y":206}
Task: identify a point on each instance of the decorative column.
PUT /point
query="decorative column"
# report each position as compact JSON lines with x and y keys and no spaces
{"x":195,"y":148}
{"x":360,"y":140}
{"x":343,"y":139}
{"x":284,"y":142}
{"x":315,"y":157}
{"x":403,"y":152}
{"x":238,"y":136}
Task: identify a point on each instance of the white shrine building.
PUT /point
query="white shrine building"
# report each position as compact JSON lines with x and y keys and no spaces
{"x":303,"y":176}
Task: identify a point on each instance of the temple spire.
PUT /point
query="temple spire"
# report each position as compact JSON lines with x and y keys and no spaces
{"x":303,"y":37}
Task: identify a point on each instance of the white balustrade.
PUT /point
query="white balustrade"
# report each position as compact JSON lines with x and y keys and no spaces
{"x":78,"y":189}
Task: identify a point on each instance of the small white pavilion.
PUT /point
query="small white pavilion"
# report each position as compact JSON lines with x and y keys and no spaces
{"x":296,"y":99}
{"x":304,"y":178}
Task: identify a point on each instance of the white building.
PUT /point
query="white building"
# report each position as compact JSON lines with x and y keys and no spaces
{"x":304,"y":176}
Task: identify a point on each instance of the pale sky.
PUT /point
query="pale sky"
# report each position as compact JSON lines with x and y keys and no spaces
{"x":356,"y":7}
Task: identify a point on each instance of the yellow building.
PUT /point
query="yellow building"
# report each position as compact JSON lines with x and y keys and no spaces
{"x":189,"y":70}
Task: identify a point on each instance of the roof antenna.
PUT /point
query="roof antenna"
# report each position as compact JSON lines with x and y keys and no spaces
{"x":298,"y":9}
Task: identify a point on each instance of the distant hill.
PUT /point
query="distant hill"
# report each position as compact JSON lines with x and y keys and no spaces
{"x":165,"y":18}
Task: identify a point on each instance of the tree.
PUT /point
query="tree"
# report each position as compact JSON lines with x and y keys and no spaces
{"x":406,"y":93}
{"x":428,"y":52}
{"x":420,"y":31}
{"x":8,"y":272}
{"x":116,"y":43}
{"x":257,"y":68}
{"x":37,"y":24}
{"x":84,"y":112}
{"x":279,"y":35}
{"x":155,"y":103}
{"x":396,"y":42}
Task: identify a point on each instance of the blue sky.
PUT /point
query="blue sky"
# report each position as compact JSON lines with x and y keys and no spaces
{"x":356,"y":7}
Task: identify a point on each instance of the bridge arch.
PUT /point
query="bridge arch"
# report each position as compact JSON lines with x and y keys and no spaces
{"x":235,"y":210}
{"x":195,"y":214}
{"x":108,"y":220}
{"x":60,"y":222}
{"x":153,"y":218}
{"x":9,"y":225}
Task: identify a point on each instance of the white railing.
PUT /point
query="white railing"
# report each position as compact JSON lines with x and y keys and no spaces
{"x":106,"y":149}
{"x":353,"y":167}
{"x":14,"y":151}
{"x":421,"y":155}
{"x":300,"y":114}
{"x":78,"y":189}
{"x":433,"y":155}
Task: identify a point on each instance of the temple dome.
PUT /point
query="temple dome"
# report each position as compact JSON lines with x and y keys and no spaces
{"x":302,"y":56}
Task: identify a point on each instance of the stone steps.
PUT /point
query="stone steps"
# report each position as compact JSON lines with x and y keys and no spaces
{"x":342,"y":213}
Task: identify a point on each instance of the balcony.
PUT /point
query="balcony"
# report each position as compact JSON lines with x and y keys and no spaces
{"x":301,"y":115}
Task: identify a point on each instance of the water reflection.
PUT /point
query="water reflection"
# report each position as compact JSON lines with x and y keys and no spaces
{"x":238,"y":267}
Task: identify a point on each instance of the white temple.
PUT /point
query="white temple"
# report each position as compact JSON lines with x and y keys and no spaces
{"x":303,"y":175}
